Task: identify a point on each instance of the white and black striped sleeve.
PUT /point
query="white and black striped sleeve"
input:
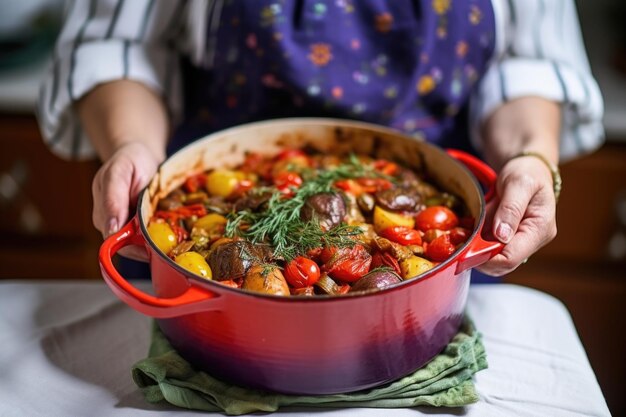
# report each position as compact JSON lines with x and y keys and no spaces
{"x":540,"y":52}
{"x":102,"y":41}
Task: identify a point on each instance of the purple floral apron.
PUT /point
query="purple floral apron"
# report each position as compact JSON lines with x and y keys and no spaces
{"x":407,"y":64}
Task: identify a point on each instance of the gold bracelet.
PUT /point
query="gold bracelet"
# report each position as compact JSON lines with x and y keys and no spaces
{"x":557,"y":182}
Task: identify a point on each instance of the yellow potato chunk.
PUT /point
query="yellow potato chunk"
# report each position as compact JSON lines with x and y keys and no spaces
{"x":194,"y":262}
{"x":210,"y":222}
{"x":384,"y":219}
{"x":222,"y":182}
{"x":163,"y":236}
{"x":267,"y":281}
{"x":413,"y":266}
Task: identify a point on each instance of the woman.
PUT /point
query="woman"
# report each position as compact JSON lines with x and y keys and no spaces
{"x":514,"y":74}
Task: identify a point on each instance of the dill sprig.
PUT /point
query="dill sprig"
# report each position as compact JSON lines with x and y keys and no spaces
{"x":383,"y":268}
{"x":281,"y":224}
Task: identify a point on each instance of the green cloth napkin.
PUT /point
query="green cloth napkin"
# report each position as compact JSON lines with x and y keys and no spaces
{"x":445,"y":381}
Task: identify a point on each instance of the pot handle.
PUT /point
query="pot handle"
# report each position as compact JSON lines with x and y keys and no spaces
{"x":479,"y":250}
{"x":195,"y":299}
{"x":483,"y":172}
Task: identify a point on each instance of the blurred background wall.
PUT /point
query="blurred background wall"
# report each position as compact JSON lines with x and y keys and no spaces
{"x":45,"y":203}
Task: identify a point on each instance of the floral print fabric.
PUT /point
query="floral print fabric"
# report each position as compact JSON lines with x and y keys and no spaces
{"x":408,"y":64}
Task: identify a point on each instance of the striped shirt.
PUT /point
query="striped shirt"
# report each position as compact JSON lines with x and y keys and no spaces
{"x":539,"y":52}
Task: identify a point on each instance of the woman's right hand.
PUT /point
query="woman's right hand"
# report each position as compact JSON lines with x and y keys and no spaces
{"x":116,"y":187}
{"x":128,"y":125}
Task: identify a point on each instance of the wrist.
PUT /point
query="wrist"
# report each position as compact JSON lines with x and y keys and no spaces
{"x":501,"y":149}
{"x":136,"y":146}
{"x":553,"y":168}
{"x":529,"y":124}
{"x":121,"y":112}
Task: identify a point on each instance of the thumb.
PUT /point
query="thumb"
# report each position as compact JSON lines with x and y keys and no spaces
{"x":111,"y":196}
{"x":515,"y":195}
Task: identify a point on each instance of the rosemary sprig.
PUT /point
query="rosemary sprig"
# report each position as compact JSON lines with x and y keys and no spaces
{"x":281,"y":224}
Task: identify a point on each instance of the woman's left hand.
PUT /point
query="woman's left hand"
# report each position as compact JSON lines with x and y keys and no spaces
{"x":522,"y":215}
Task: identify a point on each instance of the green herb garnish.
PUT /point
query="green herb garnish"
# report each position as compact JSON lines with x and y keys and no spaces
{"x":281,"y":225}
{"x":383,"y":268}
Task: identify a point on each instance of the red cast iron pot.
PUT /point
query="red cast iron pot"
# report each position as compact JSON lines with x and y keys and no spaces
{"x":294,"y":345}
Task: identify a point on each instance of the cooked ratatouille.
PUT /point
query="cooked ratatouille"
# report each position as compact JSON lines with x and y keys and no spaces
{"x":304,"y":223}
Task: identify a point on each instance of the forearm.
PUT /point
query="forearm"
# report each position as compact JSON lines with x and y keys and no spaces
{"x":525,"y":124}
{"x":123,"y":112}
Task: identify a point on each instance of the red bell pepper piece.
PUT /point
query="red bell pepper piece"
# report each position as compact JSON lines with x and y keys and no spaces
{"x":440,"y":249}
{"x":402,"y":235}
{"x":349,"y":266}
{"x":385,"y":259}
{"x":194,"y":183}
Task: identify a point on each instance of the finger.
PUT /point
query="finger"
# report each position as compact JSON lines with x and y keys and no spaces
{"x":515,"y":195}
{"x":532,"y":234}
{"x":536,"y":229}
{"x":98,"y":218}
{"x":111,"y":197}
{"x":490,"y":211}
{"x":134,"y":252}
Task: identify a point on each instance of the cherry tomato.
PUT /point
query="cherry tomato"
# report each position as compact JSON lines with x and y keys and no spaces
{"x":386,"y":167}
{"x":350,"y":186}
{"x":372,"y":185}
{"x":193,"y":183}
{"x":302,"y":272}
{"x":222,"y":182}
{"x":349,"y":266}
{"x":459,"y":235}
{"x":385,"y":259}
{"x":257,"y":164}
{"x":440,"y":249}
{"x":304,"y":291}
{"x":242,"y":187}
{"x":436,"y":217}
{"x":290,"y":160}
{"x":285,"y":181}
{"x":290,"y":153}
{"x":402,"y":235}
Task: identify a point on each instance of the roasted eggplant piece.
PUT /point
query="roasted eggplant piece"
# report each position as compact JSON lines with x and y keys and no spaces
{"x":399,"y":199}
{"x":232,"y":260}
{"x":253,"y":202}
{"x":328,"y":209}
{"x":376,"y":280}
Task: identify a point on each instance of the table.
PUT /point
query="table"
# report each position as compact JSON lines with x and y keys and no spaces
{"x":66,"y":348}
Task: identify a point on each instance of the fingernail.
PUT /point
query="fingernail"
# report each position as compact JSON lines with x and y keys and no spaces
{"x":112,"y":227}
{"x":503,"y":232}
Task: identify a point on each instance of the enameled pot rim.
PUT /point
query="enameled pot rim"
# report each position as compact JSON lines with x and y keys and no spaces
{"x":317,"y":298}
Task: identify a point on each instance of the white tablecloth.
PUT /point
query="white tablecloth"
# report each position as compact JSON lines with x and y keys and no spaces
{"x":66,"y":349}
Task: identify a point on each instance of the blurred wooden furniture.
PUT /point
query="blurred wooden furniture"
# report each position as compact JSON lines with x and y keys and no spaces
{"x":45,"y":207}
{"x":46,"y":232}
{"x":577,"y":269}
